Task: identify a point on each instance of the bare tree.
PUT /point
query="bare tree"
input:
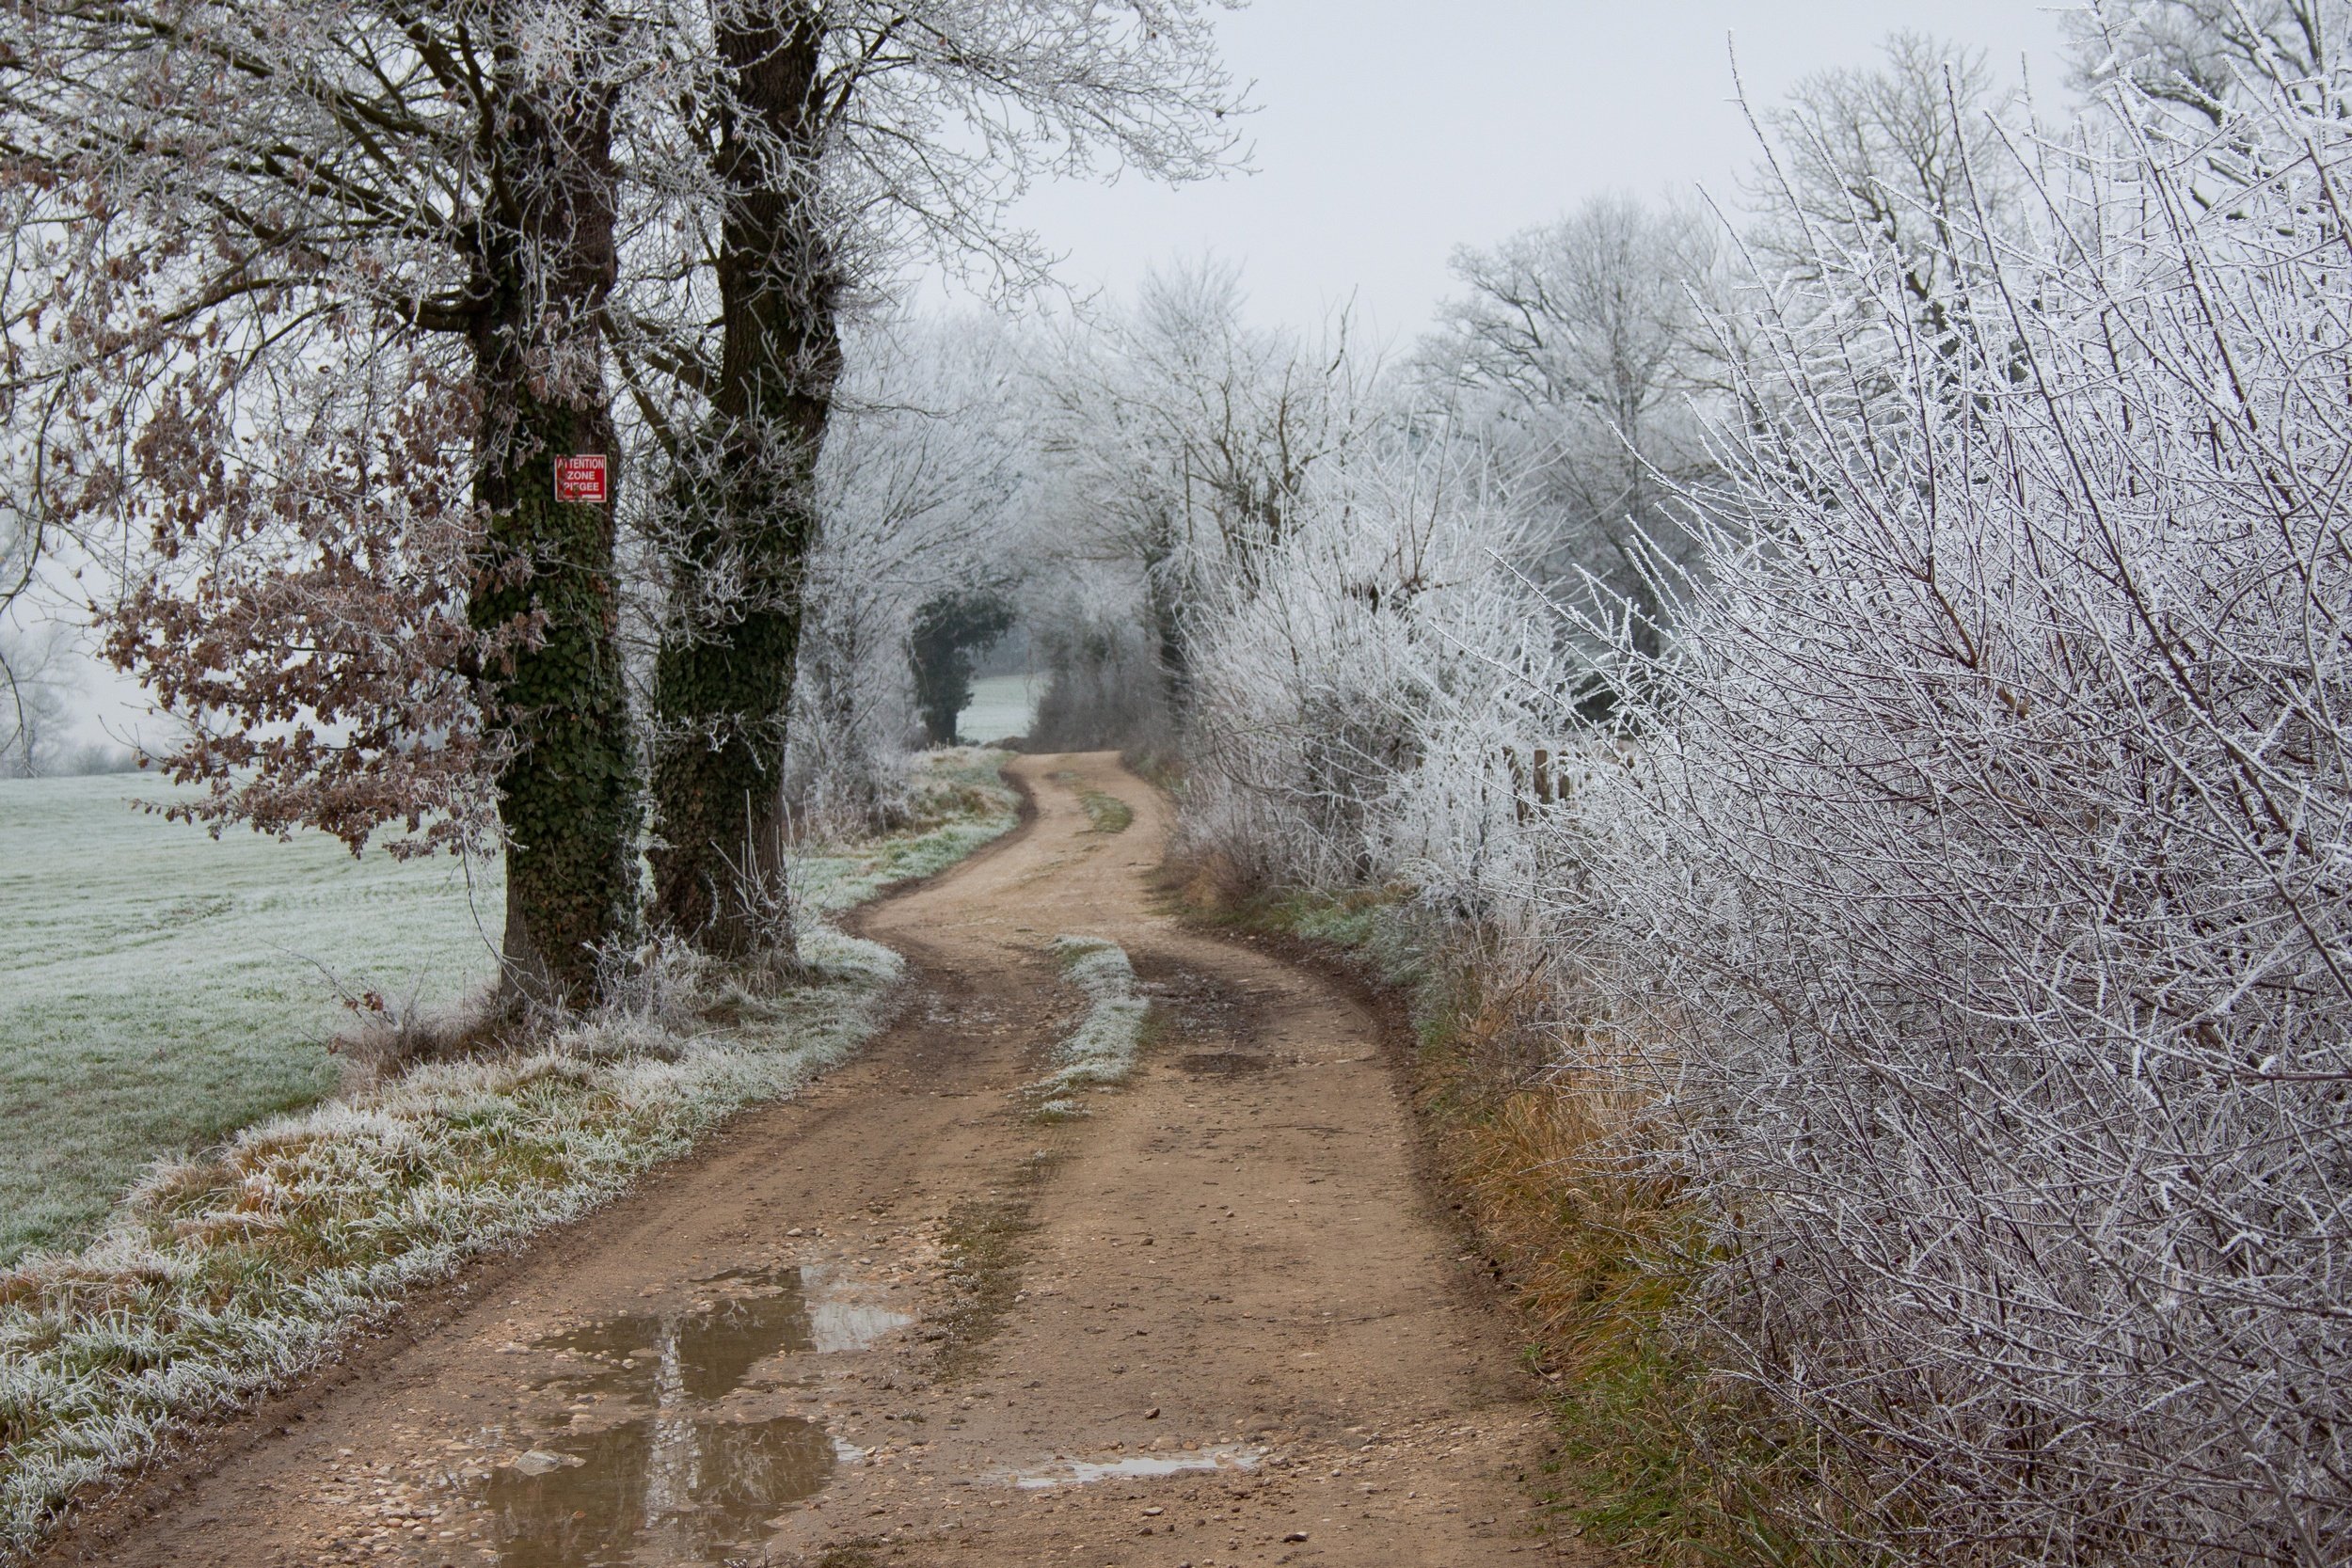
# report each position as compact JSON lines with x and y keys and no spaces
{"x":1880,"y":157}
{"x":32,"y":701}
{"x":1581,"y":358}
{"x":915,"y":495}
{"x":2206,"y":55}
{"x":1179,"y":438}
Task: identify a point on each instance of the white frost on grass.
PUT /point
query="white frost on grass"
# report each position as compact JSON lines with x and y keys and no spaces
{"x":1103,"y":1049}
{"x":218,"y":1278}
{"x":162,"y":989}
{"x":959,"y":799}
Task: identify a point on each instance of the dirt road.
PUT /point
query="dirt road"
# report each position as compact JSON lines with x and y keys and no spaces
{"x":902,"y":1321}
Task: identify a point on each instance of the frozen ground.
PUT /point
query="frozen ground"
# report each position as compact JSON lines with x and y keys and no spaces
{"x":1002,"y":705}
{"x":159,"y":990}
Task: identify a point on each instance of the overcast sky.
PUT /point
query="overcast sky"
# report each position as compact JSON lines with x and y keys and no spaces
{"x":1392,"y":131}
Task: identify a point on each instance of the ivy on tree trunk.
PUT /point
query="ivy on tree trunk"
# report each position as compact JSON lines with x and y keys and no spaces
{"x":947,"y":631}
{"x":723,"y":682}
{"x":568,"y":788}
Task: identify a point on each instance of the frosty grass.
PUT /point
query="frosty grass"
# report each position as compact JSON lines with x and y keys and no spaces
{"x":1103,"y":1049}
{"x":162,"y":989}
{"x":223,"y":1276}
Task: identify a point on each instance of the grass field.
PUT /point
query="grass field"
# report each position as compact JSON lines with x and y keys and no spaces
{"x":159,"y":990}
{"x":1001,"y":706}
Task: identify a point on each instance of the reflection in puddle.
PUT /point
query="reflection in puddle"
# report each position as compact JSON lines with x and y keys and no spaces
{"x":680,"y":1479}
{"x":1081,"y":1472}
{"x":709,"y":1349}
{"x":717,"y":1343}
{"x":836,"y":1325}
{"x":676,"y":1488}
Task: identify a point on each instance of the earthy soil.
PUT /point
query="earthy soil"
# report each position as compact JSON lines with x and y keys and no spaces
{"x":1217,"y":1319}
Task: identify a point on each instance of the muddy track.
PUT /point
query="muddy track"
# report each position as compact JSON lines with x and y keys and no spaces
{"x":900,"y":1319}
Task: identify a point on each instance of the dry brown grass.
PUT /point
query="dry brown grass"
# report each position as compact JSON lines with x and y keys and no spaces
{"x":1546,"y":1163}
{"x":1663,"y":1456}
{"x":383,"y":1040}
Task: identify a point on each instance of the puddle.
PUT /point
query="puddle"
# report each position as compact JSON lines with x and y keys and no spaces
{"x":1084,"y":1472}
{"x":679,"y":1481}
{"x":709,"y":1351}
{"x":711,"y":1348}
{"x":667,"y":1485}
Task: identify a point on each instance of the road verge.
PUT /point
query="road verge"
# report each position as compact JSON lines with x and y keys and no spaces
{"x":223,"y":1277}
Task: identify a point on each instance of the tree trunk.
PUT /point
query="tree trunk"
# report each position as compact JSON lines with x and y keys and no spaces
{"x":1162,"y":609}
{"x":545,"y":261}
{"x":722,"y":683}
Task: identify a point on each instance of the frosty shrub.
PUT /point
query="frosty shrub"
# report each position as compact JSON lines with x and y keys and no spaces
{"x":1380,"y":636}
{"x":1988,"y":856}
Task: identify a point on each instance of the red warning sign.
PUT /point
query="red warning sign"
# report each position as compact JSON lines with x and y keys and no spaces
{"x":580,"y":480}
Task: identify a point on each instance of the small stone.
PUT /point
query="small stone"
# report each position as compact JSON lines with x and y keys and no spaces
{"x":538,"y":1461}
{"x":1152,"y":1414}
{"x":1295,"y":1535}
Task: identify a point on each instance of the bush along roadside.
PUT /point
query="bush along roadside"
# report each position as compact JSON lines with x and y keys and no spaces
{"x":1658,"y":1456}
{"x":222,"y":1277}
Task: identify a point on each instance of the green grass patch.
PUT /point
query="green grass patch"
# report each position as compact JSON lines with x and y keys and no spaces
{"x":164,"y":989}
{"x":984,"y":1247}
{"x":1107,"y":812}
